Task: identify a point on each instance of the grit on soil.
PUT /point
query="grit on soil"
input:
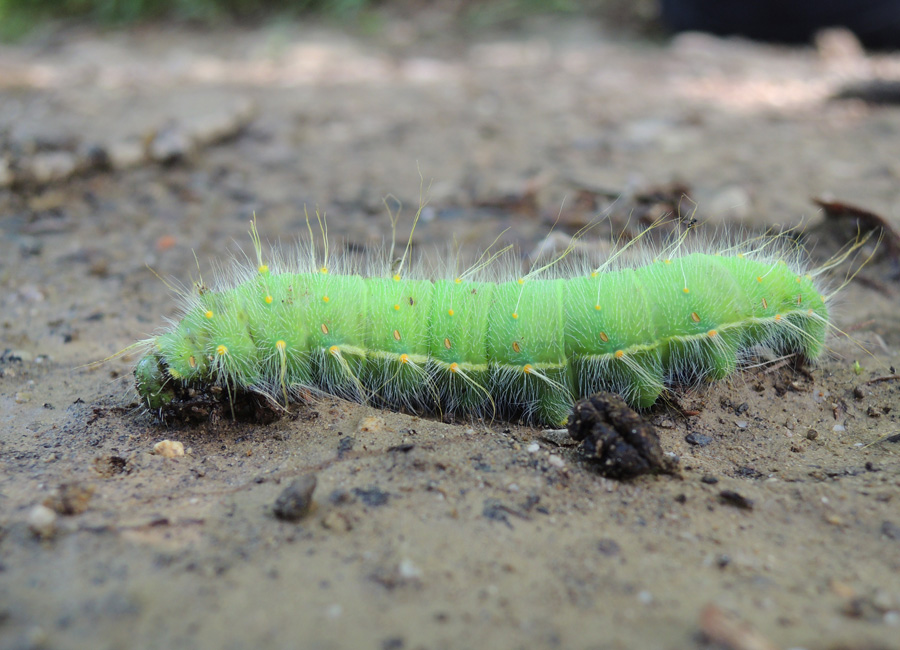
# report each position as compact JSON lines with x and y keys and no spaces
{"x":427,"y":534}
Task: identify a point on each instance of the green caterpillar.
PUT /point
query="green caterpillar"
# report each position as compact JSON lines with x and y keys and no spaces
{"x":470,"y":344}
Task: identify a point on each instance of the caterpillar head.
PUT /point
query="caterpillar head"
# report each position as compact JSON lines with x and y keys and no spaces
{"x":153,"y":382}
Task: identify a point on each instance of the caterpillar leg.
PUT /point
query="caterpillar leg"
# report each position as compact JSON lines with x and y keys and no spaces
{"x":637,"y":376}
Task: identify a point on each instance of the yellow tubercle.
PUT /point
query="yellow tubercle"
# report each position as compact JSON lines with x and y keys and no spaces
{"x":268,"y":300}
{"x":527,"y":368}
{"x":619,"y":354}
{"x":209,"y":313}
{"x":450,"y":312}
{"x":280,"y":345}
{"x":263,"y":269}
{"x":454,"y":367}
{"x":404,"y":358}
{"x":221,"y":350}
{"x":325,"y":298}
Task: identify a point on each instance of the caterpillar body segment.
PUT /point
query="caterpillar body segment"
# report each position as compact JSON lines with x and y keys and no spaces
{"x":525,"y":347}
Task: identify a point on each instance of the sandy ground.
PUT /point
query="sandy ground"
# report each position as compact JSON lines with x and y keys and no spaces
{"x":428,"y":534}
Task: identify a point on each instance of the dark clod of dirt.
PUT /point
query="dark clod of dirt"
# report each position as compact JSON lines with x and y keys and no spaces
{"x":697,"y":439}
{"x":623,"y":444}
{"x":200,"y":404}
{"x":372,"y":496}
{"x":70,"y":498}
{"x":295,"y":501}
{"x":736,"y":499}
{"x":709,"y":480}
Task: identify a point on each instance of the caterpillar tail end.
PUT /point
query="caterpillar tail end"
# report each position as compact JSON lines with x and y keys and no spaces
{"x":153,"y":382}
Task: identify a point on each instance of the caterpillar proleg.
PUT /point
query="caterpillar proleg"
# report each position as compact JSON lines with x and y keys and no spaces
{"x":485,"y":341}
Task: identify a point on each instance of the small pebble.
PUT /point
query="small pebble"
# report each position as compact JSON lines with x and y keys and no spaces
{"x":732,"y":498}
{"x":838,"y":428}
{"x":741,"y":424}
{"x":556,"y":461}
{"x":295,"y":501}
{"x":697,"y":439}
{"x":42,"y":521}
{"x":533,"y":448}
{"x":336,"y":522}
{"x":891,"y":530}
{"x":70,"y":498}
{"x":812,"y":434}
{"x":23,"y":397}
{"x":168,"y":449}
{"x":408,"y":571}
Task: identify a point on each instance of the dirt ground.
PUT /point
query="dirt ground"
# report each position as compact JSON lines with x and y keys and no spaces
{"x":427,"y":534}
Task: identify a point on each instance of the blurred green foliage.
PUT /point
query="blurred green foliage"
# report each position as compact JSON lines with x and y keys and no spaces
{"x":18,"y":17}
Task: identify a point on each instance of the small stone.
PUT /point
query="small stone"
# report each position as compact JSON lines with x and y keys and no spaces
{"x":126,"y":154}
{"x":20,"y":355}
{"x":170,"y":145}
{"x":709,"y":480}
{"x":841,"y":589}
{"x":7,"y":176}
{"x":337,"y":522}
{"x":168,"y":449}
{"x":608,"y":547}
{"x":732,"y":498}
{"x":371,"y":424}
{"x":812,"y":434}
{"x":408,"y":571}
{"x":295,"y":501}
{"x":741,"y":424}
{"x":556,"y":461}
{"x":52,"y":166}
{"x":558,"y":437}
{"x":23,"y":397}
{"x":42,"y":521}
{"x":891,"y":530}
{"x":372,"y":496}
{"x":697,"y":439}
{"x":70,"y":498}
{"x":533,"y":448}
